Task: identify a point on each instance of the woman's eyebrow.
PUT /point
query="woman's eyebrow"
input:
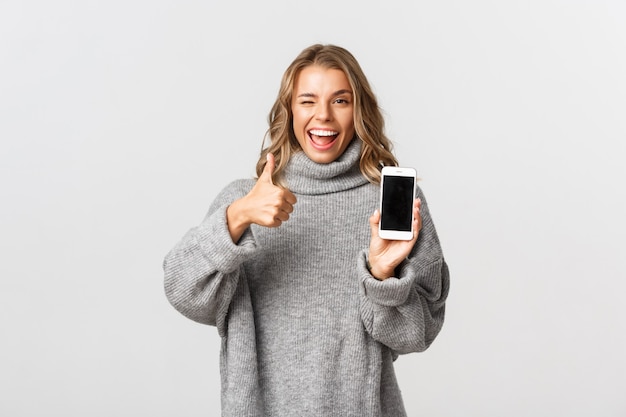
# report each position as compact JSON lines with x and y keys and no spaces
{"x":336,"y":93}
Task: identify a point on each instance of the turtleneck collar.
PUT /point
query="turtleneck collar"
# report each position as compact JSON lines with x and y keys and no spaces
{"x":304,"y":176}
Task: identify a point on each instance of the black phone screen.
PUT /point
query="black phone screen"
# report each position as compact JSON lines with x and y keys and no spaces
{"x":397,"y":203}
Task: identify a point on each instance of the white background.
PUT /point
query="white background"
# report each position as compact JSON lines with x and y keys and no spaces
{"x":121,"y":120}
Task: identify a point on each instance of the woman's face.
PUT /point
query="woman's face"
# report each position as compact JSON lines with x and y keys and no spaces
{"x":322,"y":107}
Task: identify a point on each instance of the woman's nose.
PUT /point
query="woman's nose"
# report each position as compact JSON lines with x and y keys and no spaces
{"x":323,"y":112}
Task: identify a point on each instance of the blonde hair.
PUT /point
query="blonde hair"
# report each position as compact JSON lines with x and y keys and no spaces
{"x":376,"y":149}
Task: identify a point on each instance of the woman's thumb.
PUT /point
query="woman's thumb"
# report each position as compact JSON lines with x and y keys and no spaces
{"x":268,"y":170}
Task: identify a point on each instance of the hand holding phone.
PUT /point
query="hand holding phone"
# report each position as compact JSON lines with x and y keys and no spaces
{"x":395,"y":226}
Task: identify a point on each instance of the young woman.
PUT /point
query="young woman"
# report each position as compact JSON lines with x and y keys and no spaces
{"x":312,"y":306}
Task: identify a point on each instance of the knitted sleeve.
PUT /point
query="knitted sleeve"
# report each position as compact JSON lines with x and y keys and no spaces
{"x":406,"y":312}
{"x":202,"y":270}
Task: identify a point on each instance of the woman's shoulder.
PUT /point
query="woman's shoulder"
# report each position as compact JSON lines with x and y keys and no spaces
{"x":237,"y":188}
{"x":232,"y":191}
{"x":242,"y":184}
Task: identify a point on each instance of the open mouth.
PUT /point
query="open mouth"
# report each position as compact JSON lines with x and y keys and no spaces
{"x":322,"y":139}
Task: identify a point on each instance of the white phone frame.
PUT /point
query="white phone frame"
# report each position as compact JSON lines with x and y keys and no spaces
{"x":400,"y":172}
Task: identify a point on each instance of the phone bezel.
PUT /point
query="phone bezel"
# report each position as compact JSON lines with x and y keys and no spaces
{"x":399,"y":172}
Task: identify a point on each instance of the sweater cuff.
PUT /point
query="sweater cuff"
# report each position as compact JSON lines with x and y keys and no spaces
{"x":391,"y":292}
{"x":213,"y":237}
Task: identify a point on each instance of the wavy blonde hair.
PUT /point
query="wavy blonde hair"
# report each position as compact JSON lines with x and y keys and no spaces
{"x":369,"y":123}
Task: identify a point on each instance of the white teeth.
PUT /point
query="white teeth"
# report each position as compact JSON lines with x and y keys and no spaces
{"x":323,"y":132}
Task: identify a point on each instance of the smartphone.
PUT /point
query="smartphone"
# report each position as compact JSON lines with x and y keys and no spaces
{"x":397,"y":193}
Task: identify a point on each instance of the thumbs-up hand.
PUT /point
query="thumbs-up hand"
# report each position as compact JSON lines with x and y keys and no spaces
{"x":266,"y":204}
{"x":271,"y":205}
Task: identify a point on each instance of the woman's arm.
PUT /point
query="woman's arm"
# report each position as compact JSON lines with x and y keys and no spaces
{"x":406,"y":310}
{"x":202,"y":270}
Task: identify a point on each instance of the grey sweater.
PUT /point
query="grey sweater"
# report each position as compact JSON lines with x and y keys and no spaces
{"x":306,"y":330}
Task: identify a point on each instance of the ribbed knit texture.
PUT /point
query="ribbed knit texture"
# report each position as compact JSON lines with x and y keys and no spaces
{"x":306,"y":330}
